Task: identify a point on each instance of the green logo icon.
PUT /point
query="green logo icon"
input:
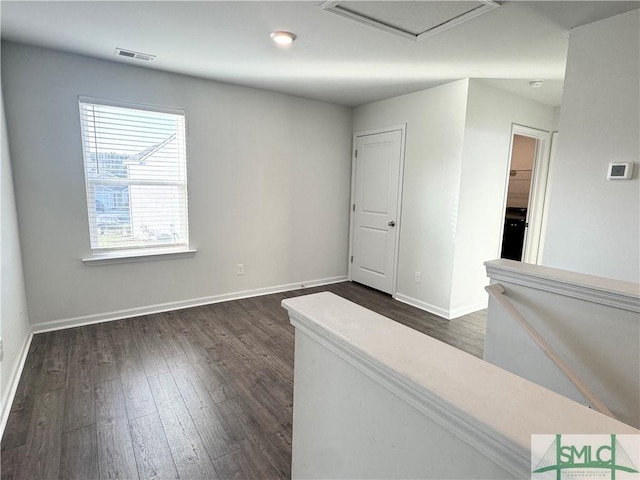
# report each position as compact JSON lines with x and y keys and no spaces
{"x":585,"y":456}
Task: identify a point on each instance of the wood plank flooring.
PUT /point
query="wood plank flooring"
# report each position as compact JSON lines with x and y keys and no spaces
{"x":202,"y":393}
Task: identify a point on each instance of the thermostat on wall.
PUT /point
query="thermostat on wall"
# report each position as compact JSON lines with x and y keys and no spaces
{"x":620,"y":171}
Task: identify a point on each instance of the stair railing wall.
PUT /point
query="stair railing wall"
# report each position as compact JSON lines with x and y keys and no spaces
{"x":376,"y":399}
{"x":592,"y":324}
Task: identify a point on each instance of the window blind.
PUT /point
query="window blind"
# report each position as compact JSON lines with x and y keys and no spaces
{"x":136,"y":176}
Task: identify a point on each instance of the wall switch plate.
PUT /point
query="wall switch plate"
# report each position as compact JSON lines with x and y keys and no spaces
{"x":240,"y":269}
{"x":417,"y":277}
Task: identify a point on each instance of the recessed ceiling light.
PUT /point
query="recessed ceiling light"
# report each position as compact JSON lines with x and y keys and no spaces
{"x":536,"y":83}
{"x":283,"y":38}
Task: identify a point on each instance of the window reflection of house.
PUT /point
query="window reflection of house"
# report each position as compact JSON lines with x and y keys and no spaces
{"x":156,"y":212}
{"x":111,"y":197}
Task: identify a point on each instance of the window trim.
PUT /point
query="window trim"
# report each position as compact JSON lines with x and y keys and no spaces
{"x":127,"y":254}
{"x":124,"y":104}
{"x":137,"y":255}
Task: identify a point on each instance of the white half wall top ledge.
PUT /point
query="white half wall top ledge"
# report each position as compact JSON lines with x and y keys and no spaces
{"x":605,"y":291}
{"x":363,"y":379}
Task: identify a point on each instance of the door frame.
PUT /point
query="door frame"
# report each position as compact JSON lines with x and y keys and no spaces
{"x":537,"y":193}
{"x":545,"y":209}
{"x":363,"y":133}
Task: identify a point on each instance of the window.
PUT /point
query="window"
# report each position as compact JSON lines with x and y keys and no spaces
{"x":136,"y":176}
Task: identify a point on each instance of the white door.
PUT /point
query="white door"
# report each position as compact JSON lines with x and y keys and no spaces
{"x":375,"y":210}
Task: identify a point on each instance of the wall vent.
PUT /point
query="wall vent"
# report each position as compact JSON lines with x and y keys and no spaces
{"x":121,"y":52}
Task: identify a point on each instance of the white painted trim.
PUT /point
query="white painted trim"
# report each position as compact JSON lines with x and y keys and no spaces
{"x":137,"y":106}
{"x":170,"y":306}
{"x":441,"y":312}
{"x":537,"y":192}
{"x":506,"y":454}
{"x":375,"y":131}
{"x":138,"y":255}
{"x":10,"y":393}
{"x":396,"y":261}
{"x":545,"y":207}
{"x":485,"y":6}
{"x":599,"y":290}
{"x":403,"y":139}
{"x":352,"y":201}
{"x":535,"y":209}
{"x":427,"y":307}
{"x":467,"y":309}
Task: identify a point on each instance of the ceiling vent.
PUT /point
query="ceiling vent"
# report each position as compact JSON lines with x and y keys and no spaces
{"x":121,"y":52}
{"x":416,"y":20}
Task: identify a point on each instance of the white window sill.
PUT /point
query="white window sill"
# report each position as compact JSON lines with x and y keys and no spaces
{"x":130,"y":256}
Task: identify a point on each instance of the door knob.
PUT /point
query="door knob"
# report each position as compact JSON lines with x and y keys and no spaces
{"x":392,"y":223}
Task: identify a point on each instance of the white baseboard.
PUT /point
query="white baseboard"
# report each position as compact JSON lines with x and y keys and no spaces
{"x":166,"y":307}
{"x":10,"y":393}
{"x":460,"y":311}
{"x":441,"y":312}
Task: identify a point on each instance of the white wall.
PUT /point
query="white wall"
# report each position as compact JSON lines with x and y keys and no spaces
{"x":269,"y":181}
{"x":435,"y":132}
{"x":556,"y":118}
{"x":456,"y":168}
{"x":485,"y":169}
{"x":348,"y":425}
{"x":593,"y":225}
{"x":14,"y":320}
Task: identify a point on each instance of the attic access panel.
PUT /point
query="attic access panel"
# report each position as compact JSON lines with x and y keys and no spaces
{"x":416,"y":20}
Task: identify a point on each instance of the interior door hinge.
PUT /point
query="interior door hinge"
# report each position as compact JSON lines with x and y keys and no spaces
{"x":351,"y":258}
{"x":356,"y":153}
{"x":354,"y":207}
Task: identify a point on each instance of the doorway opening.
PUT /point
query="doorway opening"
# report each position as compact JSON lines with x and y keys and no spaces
{"x":523,"y":155}
{"x":525,"y":194}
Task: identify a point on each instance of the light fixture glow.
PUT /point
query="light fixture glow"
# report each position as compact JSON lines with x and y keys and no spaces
{"x":283,"y":38}
{"x":537,"y":83}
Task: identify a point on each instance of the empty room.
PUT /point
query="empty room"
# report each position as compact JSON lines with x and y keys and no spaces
{"x":342,"y":239}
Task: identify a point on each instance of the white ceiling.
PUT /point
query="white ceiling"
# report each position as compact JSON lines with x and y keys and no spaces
{"x":334,"y":59}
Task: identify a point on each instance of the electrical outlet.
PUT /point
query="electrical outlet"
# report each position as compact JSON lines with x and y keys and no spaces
{"x":240,"y":269}
{"x":417,"y":277}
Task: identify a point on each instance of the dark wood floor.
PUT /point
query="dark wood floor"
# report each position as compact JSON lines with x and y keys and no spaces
{"x":199,"y":393}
